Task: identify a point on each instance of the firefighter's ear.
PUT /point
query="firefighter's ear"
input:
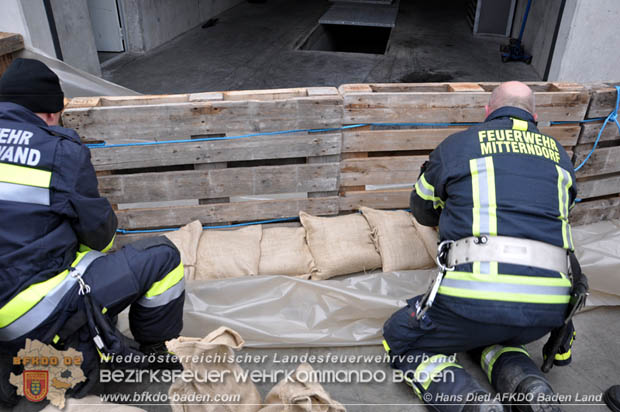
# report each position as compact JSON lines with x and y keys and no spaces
{"x":487,"y":110}
{"x":535,"y":117}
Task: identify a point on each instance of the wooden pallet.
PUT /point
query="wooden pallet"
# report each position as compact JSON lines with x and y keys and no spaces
{"x":598,"y":180}
{"x":393,"y":155}
{"x":207,"y":174}
{"x":10,"y":43}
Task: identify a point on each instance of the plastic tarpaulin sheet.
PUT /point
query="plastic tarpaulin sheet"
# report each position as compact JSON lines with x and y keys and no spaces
{"x":281,"y":311}
{"x":75,"y":82}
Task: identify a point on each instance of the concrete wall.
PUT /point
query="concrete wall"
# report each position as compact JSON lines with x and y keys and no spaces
{"x":538,"y":35}
{"x":150,"y":23}
{"x":588,"y":42}
{"x":75,"y":34}
{"x":28,"y":18}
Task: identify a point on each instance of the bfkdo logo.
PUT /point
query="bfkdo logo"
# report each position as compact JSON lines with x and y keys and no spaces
{"x":36,"y":385}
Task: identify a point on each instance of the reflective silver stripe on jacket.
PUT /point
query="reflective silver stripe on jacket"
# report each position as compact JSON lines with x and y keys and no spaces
{"x":24,"y":194}
{"x":46,"y":306}
{"x":164,"y":298}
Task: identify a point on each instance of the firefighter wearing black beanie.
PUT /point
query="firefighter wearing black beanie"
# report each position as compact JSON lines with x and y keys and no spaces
{"x":31,"y":84}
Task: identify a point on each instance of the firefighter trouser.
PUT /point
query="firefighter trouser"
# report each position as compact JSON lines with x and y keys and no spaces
{"x":147,"y":276}
{"x":422,"y":351}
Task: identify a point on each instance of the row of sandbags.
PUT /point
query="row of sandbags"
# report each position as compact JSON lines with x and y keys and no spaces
{"x":295,"y":394}
{"x":321,"y":248}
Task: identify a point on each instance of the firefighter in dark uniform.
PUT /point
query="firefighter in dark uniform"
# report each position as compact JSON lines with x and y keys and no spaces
{"x":55,"y":230}
{"x":502,"y":191}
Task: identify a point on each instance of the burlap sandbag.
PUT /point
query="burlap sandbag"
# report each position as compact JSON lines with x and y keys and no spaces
{"x":186,"y":240}
{"x":399,"y":243}
{"x":217,"y":345}
{"x":284,"y":251}
{"x":340,"y":245}
{"x":303,"y":394}
{"x":429,"y":236}
{"x":228,"y":253}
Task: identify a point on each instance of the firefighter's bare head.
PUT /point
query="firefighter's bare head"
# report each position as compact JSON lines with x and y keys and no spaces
{"x":515,"y":94}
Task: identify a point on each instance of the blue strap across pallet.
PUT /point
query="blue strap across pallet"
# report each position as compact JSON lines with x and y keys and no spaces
{"x":612,"y":116}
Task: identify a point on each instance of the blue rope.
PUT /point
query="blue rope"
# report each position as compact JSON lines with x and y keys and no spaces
{"x":259,"y":222}
{"x":612,"y":116}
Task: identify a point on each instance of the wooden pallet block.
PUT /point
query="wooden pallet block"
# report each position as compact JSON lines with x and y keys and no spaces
{"x":177,"y":117}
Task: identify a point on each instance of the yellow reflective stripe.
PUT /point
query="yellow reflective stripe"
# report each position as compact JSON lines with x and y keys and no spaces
{"x":566,"y":355}
{"x":427,"y":370}
{"x":565,"y":182}
{"x":426,"y":184}
{"x":386,"y":346}
{"x":171,"y":279}
{"x":492,"y":353}
{"x":56,"y":339}
{"x":494,"y":268}
{"x":22,"y":175}
{"x":26,"y":299}
{"x":109,"y":246}
{"x":510,"y":279}
{"x":518,"y":124}
{"x":427,"y":192}
{"x":563,"y":356}
{"x":503,"y":296}
{"x":492,"y":202}
{"x":84,"y":248}
{"x":484,"y":212}
{"x":437,"y":371}
{"x":475,"y":191}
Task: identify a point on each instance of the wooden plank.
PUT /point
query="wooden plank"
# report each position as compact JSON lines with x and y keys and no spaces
{"x":226,"y":212}
{"x":197,"y":184}
{"x":177,"y":121}
{"x":381,"y":170}
{"x":603,"y":161}
{"x":266,"y":94}
{"x":465,"y":87}
{"x":254,"y":148}
{"x":451,"y":107}
{"x":603,"y":100}
{"x":599,"y":187}
{"x":427,"y":139}
{"x":595,"y":211}
{"x":591,"y":130}
{"x":378,"y":199}
{"x":143,"y":99}
{"x":387,"y":140}
{"x":10,"y":42}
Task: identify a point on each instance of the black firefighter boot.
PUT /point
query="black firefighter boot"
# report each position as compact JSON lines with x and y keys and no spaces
{"x":515,"y":373}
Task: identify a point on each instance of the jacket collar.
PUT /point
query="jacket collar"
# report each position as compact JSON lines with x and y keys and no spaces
{"x":15,"y":112}
{"x":510,"y":111}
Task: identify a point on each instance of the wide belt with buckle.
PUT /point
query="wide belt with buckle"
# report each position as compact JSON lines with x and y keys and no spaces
{"x":511,"y":250}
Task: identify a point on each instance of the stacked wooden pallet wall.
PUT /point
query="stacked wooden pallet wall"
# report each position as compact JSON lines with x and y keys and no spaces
{"x":325,"y":171}
{"x":10,"y":44}
{"x":217,"y":181}
{"x":599,"y":178}
{"x":393,"y":154}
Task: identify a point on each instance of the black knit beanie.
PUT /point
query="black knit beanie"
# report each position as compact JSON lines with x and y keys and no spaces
{"x":30,"y":83}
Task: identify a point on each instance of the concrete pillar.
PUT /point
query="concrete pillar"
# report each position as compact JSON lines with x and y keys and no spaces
{"x":539,"y":30}
{"x":588,"y":42}
{"x":28,"y":18}
{"x":75,"y":34}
